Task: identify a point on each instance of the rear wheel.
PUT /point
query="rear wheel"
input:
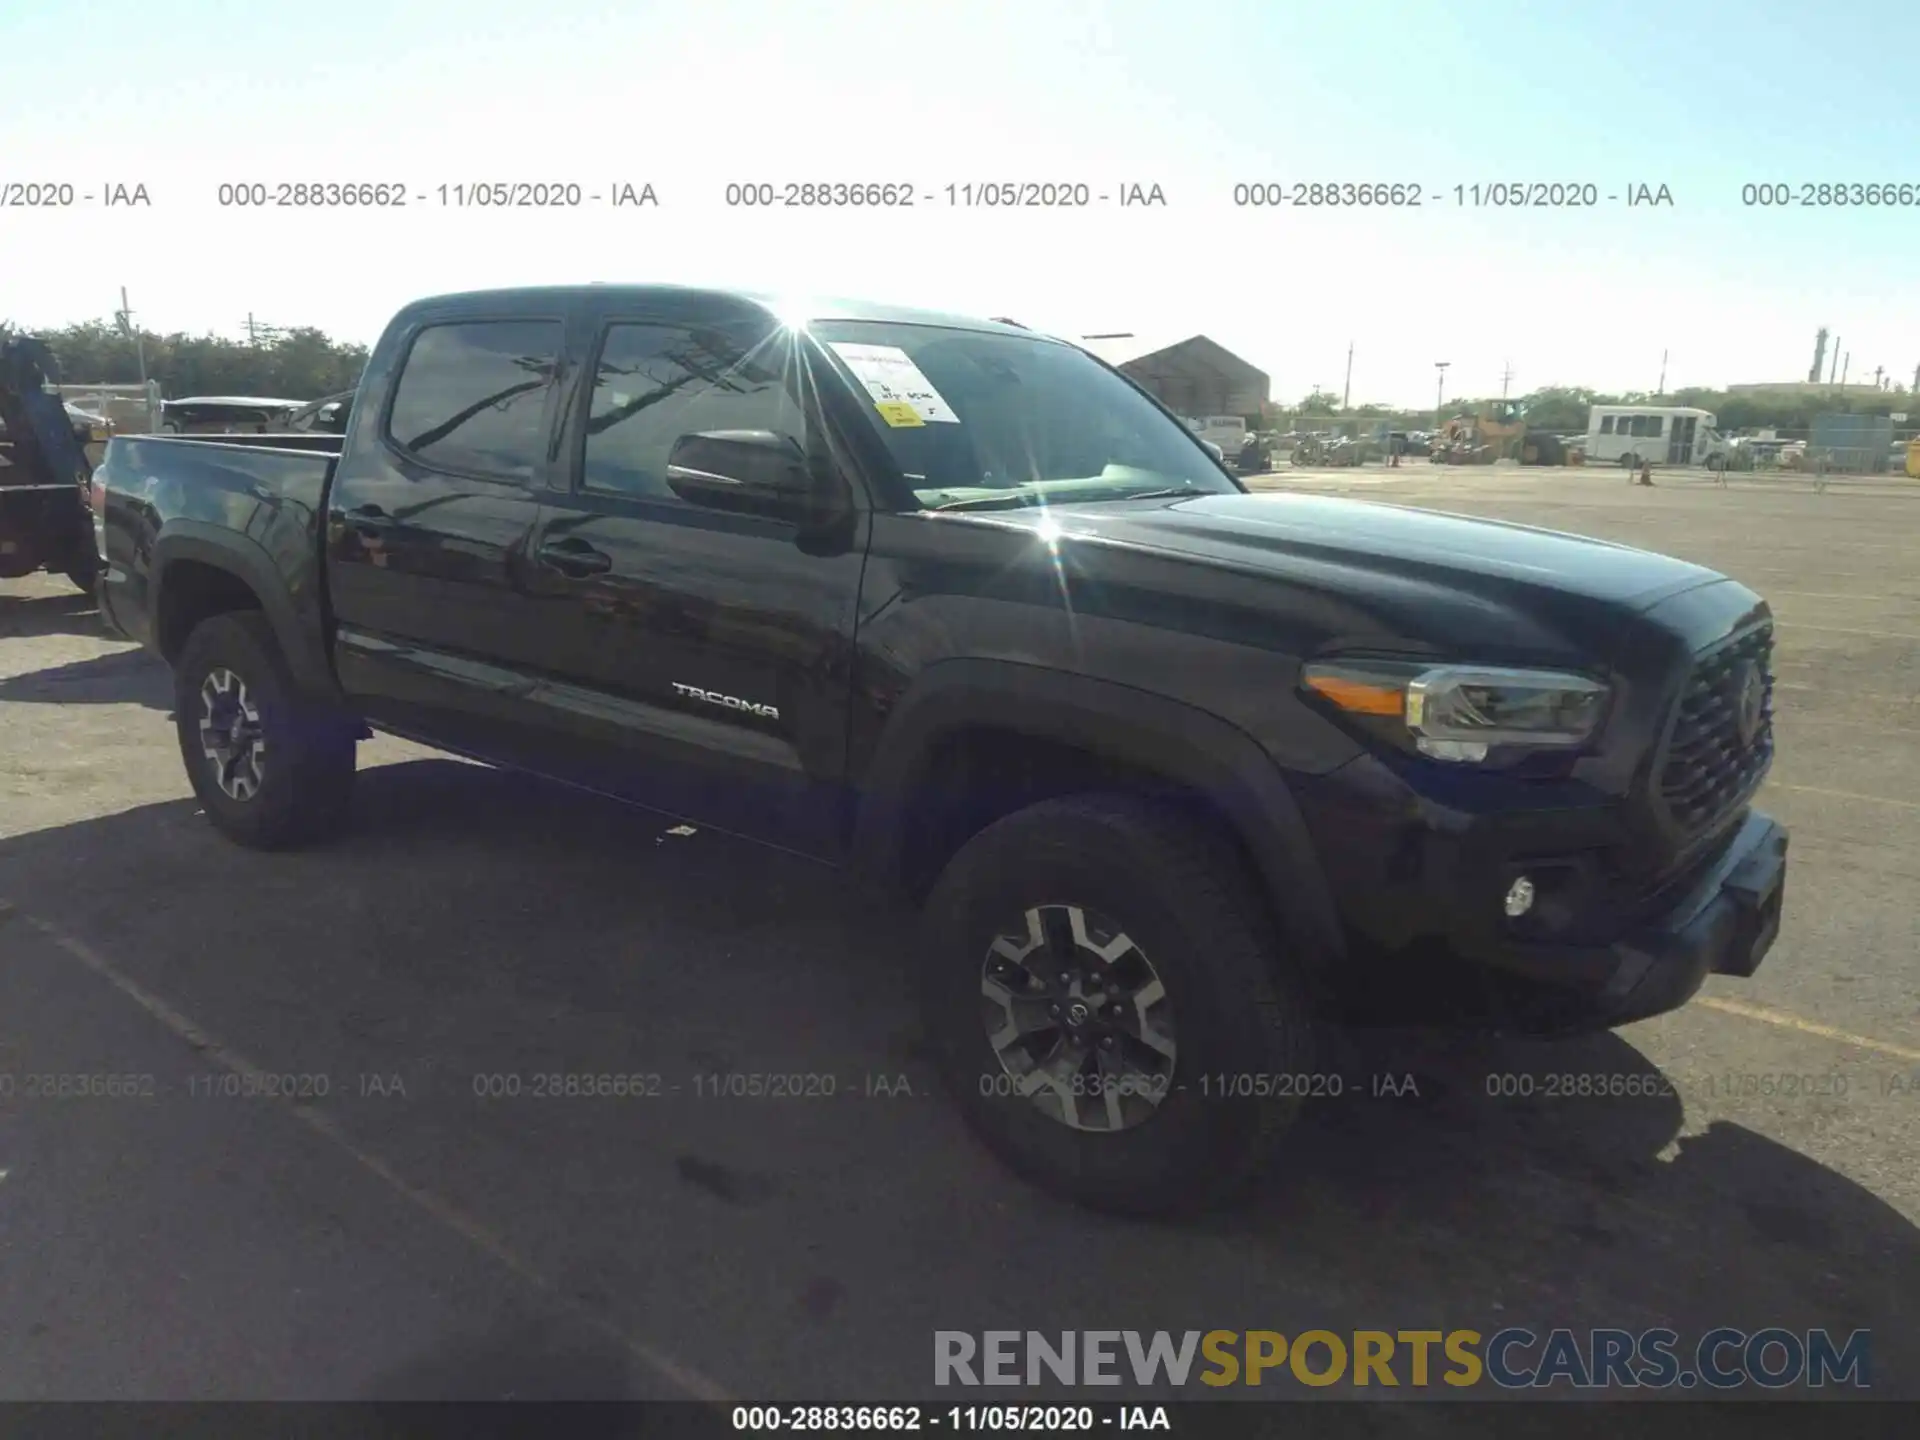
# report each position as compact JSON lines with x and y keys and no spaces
{"x":1110,"y":1008}
{"x":1629,"y":462}
{"x":271,"y":769}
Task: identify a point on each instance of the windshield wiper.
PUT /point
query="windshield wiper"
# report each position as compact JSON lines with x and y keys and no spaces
{"x":1171,"y":493}
{"x":1040,"y":497}
{"x":985,"y":502}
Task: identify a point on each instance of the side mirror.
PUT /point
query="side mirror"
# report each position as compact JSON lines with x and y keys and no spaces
{"x":746,"y":472}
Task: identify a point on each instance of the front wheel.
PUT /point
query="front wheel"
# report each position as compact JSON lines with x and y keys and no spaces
{"x":1099,"y":976}
{"x":271,"y":769}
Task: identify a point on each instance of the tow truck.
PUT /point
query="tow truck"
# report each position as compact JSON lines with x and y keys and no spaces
{"x":46,"y":517}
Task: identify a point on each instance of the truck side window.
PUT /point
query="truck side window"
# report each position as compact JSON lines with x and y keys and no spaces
{"x":657,"y":382}
{"x":1606,"y":424}
{"x":1655,"y":423}
{"x":472,"y":396}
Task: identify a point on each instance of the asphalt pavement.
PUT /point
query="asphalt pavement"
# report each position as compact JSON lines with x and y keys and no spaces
{"x":280,"y":1157}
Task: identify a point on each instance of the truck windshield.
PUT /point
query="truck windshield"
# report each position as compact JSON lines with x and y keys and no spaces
{"x":979,"y":420}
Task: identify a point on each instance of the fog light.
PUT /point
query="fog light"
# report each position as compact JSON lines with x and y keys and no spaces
{"x":1519,"y":898}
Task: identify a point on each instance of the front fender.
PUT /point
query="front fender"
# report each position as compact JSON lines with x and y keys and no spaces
{"x":1197,"y":750}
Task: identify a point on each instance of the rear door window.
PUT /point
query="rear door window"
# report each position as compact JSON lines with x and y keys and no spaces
{"x":474,"y":396}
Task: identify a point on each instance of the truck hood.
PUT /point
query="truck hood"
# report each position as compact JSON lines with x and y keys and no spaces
{"x":1299,"y":535}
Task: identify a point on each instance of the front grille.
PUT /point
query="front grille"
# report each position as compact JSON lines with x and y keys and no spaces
{"x":1710,"y":765}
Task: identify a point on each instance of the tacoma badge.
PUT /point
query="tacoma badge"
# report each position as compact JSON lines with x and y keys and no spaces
{"x":725,"y":702}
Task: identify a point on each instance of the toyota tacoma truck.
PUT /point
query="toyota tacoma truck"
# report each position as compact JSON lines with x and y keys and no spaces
{"x":1180,"y":778}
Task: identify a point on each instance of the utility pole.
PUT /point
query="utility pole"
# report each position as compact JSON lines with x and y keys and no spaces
{"x":1346,"y":391}
{"x":1440,"y":394}
{"x":1846,"y":366}
{"x":258,"y":330}
{"x":1834,"y":368}
{"x":1916,"y":379}
{"x":1506,"y":379}
{"x":1661,"y":391}
{"x":123,"y":317}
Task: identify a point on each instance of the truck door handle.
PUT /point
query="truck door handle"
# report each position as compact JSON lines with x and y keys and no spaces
{"x":368,"y":519}
{"x":575,"y":557}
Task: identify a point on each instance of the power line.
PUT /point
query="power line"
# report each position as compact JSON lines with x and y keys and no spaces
{"x":123,"y":317}
{"x":258,"y":330}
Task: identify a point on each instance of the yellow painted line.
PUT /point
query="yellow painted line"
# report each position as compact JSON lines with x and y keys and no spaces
{"x":675,"y":1372}
{"x":1844,"y":630}
{"x":1806,"y":1027}
{"x":1836,"y":595}
{"x":1845,"y":795}
{"x":1913,"y":699}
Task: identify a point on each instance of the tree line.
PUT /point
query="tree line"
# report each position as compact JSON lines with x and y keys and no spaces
{"x":306,"y":363}
{"x":295,"y":364}
{"x":1564,"y":408}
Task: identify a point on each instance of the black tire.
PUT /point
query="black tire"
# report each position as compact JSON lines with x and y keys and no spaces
{"x":1182,"y":895}
{"x":304,"y":783}
{"x":1629,"y":462}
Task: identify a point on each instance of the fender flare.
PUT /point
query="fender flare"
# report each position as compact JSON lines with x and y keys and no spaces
{"x":244,"y":558}
{"x":1190,"y":746}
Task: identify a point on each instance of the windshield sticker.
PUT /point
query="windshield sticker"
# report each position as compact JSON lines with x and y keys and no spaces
{"x":898,"y":413}
{"x":892,"y":379}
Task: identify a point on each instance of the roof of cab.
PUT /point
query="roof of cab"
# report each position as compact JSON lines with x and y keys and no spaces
{"x":811,"y":307}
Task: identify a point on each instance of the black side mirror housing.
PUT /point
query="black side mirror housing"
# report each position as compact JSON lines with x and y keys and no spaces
{"x":751,"y":472}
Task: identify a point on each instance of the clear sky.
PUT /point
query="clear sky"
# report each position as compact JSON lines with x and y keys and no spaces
{"x":1194,"y":96}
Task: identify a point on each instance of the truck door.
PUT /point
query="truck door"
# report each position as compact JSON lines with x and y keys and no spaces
{"x":706,"y":654}
{"x":427,"y":531}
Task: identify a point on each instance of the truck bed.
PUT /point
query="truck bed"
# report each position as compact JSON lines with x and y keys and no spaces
{"x":259,"y":496}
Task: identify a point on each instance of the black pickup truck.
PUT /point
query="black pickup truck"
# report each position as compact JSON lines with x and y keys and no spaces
{"x":1175,"y":773}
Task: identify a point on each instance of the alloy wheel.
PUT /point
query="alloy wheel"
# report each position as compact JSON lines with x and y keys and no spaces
{"x":232,"y":735}
{"x":1079,"y":1019}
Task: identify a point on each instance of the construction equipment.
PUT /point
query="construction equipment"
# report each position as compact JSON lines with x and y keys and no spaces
{"x":1333,"y":451}
{"x":1497,"y":432}
{"x":46,"y":519}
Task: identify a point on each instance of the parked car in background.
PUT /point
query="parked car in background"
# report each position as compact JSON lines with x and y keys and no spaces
{"x":1227,"y":433}
{"x":226,"y":414}
{"x":325,"y":416}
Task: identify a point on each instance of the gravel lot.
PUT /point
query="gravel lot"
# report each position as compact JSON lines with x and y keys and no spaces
{"x":403,"y":1236}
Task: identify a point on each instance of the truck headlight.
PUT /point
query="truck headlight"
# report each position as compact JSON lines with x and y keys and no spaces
{"x":1462,"y":713}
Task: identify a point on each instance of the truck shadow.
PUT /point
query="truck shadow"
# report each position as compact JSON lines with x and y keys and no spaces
{"x":471,"y":905}
{"x":124,"y":677}
{"x":69,"y":614}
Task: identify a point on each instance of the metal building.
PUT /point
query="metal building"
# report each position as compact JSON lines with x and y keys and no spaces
{"x":1192,"y":377}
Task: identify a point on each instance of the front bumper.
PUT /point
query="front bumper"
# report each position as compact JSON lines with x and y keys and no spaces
{"x":1724,"y":924}
{"x":1613,"y":936}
